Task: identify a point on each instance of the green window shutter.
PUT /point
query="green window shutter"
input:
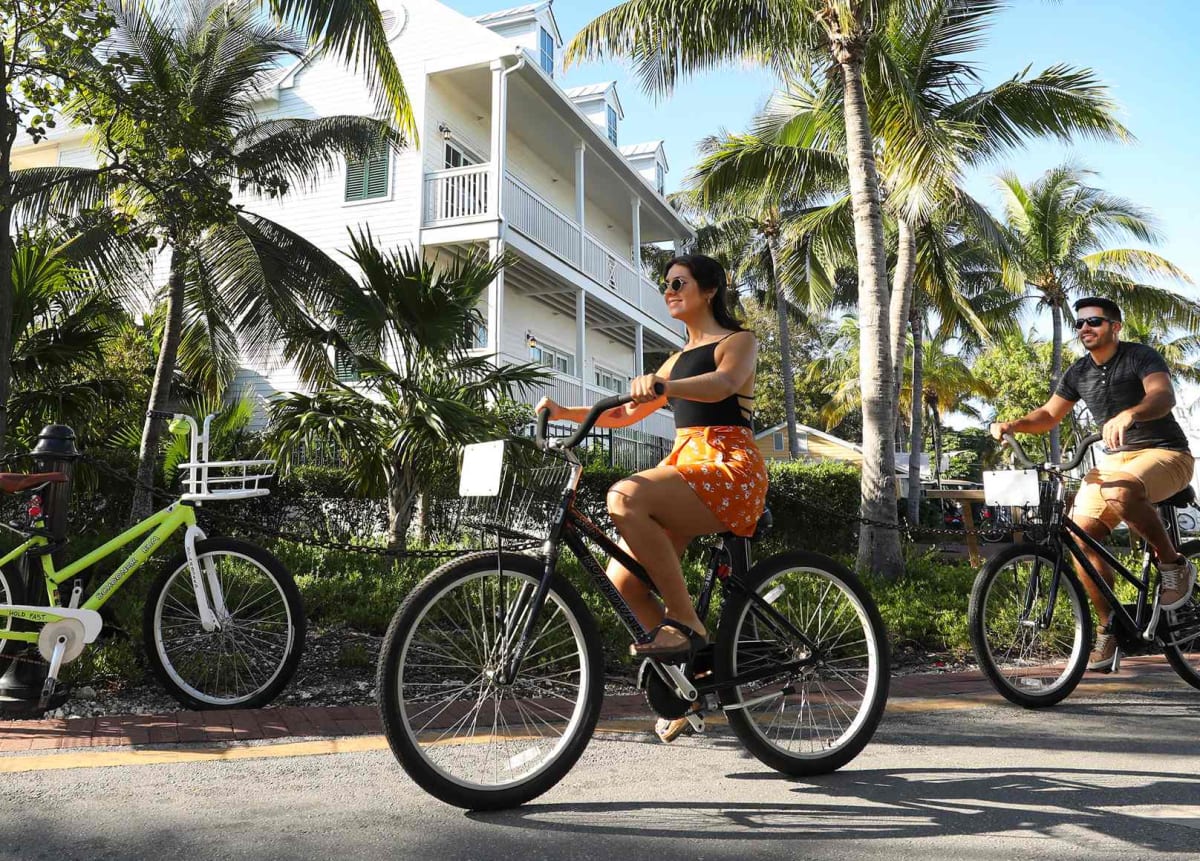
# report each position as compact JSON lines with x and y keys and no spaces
{"x":344,"y":366}
{"x":377,"y":173}
{"x":368,"y":178}
{"x":356,"y":176}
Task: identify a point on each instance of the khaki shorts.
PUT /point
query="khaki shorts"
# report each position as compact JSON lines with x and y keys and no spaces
{"x":1161,"y":471}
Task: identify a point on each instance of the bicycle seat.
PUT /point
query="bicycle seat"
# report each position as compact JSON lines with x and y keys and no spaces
{"x":15,"y":482}
{"x":760,"y":529}
{"x":1182,"y":499}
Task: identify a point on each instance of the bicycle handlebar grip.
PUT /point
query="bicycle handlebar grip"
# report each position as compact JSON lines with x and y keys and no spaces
{"x":543,"y":419}
{"x":159,"y":414}
{"x":1018,"y":453}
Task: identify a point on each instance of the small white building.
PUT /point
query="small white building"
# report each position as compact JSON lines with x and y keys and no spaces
{"x":508,"y":162}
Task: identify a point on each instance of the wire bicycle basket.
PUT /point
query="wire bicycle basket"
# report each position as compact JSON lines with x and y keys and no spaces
{"x":513,"y":490}
{"x":219,"y":480}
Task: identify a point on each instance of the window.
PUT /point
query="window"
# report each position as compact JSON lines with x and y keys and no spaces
{"x":553,"y":358}
{"x":476,"y":334}
{"x":458,"y":156}
{"x":779,"y":443}
{"x":612,"y":124}
{"x":660,"y":178}
{"x":345,"y":366}
{"x":612,"y":381}
{"x":546,"y":52}
{"x":368,"y":178}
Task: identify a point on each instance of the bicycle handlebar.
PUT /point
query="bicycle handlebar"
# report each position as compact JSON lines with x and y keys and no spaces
{"x":589,"y":421}
{"x":1022,"y":458}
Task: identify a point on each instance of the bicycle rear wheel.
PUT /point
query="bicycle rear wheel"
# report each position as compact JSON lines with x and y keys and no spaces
{"x":464,"y":732}
{"x":252,"y":654}
{"x":1181,"y":629}
{"x":815,"y":719}
{"x":1033,"y":656}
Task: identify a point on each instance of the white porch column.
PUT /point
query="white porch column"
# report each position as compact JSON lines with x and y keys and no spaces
{"x":581,"y":338}
{"x":580,"y":197}
{"x":639,"y":349}
{"x":495,"y":305}
{"x":635,"y":256}
{"x":498,"y":136}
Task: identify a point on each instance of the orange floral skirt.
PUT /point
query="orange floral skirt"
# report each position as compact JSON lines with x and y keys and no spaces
{"x":727,"y":471}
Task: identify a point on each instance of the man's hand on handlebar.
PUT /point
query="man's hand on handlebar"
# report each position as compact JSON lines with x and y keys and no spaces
{"x":647,"y":388}
{"x":999,"y":429}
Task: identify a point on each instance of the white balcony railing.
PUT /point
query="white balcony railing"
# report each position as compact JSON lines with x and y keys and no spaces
{"x":456,"y":194}
{"x":461,"y":193}
{"x":540,"y":221}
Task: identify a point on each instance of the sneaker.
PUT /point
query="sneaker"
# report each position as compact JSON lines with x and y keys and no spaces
{"x":1176,"y":584}
{"x":1101,"y":658}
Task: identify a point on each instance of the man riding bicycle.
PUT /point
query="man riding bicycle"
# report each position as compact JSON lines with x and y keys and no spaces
{"x":1127,"y":387}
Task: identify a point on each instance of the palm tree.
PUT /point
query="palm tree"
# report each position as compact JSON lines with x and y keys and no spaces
{"x":1058,"y":229}
{"x":178,"y":131}
{"x":668,"y":39}
{"x":420,"y":393}
{"x":1180,"y":352}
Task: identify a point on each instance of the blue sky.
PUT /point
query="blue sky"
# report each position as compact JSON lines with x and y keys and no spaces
{"x":1144,"y":51}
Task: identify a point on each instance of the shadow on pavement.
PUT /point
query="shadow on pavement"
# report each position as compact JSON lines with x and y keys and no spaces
{"x":905,"y":804}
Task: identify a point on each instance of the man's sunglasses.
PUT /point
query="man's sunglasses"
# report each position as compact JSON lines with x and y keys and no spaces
{"x":1091,"y":322}
{"x":674,"y":285}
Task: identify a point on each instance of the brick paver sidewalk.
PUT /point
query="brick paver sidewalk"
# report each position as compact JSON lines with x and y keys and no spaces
{"x":211,"y":727}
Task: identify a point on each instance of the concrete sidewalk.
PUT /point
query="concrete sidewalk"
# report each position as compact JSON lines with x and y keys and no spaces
{"x":909,"y":692}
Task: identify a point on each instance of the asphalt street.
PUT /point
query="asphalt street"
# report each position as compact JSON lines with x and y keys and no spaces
{"x":1116,"y":776}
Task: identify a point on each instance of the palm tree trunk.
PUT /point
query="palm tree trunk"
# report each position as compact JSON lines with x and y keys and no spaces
{"x":160,"y":391}
{"x":785,"y":350}
{"x":8,"y":135}
{"x":1055,"y":374}
{"x":402,"y":498}
{"x":902,"y":297}
{"x":915,"y":431}
{"x":878,"y":546}
{"x":937,"y":441}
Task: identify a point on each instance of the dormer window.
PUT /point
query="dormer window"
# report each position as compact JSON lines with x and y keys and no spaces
{"x":546,"y":52}
{"x":612,"y":124}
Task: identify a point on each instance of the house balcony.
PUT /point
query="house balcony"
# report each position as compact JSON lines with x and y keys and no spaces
{"x":457,"y":208}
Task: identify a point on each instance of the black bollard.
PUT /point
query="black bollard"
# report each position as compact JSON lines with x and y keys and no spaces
{"x":21,"y":684}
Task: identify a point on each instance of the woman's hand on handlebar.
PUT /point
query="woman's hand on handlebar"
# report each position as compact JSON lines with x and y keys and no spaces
{"x":999,"y":429}
{"x":553,"y":408}
{"x":647,"y":388}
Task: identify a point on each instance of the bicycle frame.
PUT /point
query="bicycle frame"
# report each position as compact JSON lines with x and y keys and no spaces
{"x":161,"y":525}
{"x":571,"y":527}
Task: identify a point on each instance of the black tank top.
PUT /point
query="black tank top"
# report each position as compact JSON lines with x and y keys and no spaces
{"x":690,"y":414}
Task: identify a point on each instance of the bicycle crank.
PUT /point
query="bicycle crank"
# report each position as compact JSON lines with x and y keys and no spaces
{"x":68,"y":633}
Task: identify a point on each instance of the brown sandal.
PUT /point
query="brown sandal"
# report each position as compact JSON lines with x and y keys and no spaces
{"x":680,"y":651}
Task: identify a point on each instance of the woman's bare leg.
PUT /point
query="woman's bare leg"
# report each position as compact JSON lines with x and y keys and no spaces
{"x":648,"y":509}
{"x":637,"y":594}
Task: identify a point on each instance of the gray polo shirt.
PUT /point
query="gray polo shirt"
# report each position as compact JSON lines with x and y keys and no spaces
{"x":1117,"y":385}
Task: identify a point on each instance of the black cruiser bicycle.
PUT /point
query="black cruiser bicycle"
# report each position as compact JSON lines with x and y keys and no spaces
{"x":1030,"y":619}
{"x":491,"y":674}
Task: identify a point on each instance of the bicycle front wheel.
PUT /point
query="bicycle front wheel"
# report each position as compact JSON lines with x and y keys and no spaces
{"x":10,"y":585}
{"x":1033,"y":653}
{"x":253,"y":651}
{"x":803,"y":608}
{"x":1182,"y":629}
{"x":464,"y":730}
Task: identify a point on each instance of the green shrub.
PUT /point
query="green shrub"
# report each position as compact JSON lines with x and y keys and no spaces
{"x":927,"y":608}
{"x":813,"y":506}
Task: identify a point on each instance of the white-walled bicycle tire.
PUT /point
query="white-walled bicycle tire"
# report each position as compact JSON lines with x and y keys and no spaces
{"x":460,"y":730}
{"x":816,"y":722}
{"x":1028,"y":664}
{"x":1184,"y":653}
{"x":252,"y":655}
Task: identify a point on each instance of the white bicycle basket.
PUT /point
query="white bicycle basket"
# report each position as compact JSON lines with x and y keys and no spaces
{"x":221,"y":480}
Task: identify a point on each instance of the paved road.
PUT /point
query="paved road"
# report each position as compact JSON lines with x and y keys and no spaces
{"x":1111,"y":775}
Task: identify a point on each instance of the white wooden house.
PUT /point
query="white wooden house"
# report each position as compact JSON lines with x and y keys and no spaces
{"x":507,"y":161}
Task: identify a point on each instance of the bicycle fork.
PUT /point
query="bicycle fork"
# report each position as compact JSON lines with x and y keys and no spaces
{"x":212,"y":614}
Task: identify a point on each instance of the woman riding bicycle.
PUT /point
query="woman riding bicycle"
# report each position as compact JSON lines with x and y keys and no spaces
{"x":714,"y":480}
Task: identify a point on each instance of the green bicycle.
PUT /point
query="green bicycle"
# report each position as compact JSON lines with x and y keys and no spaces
{"x":223,"y":624}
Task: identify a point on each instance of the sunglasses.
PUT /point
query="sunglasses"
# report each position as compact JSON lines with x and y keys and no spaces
{"x":1091,"y":322}
{"x":675,"y":285}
